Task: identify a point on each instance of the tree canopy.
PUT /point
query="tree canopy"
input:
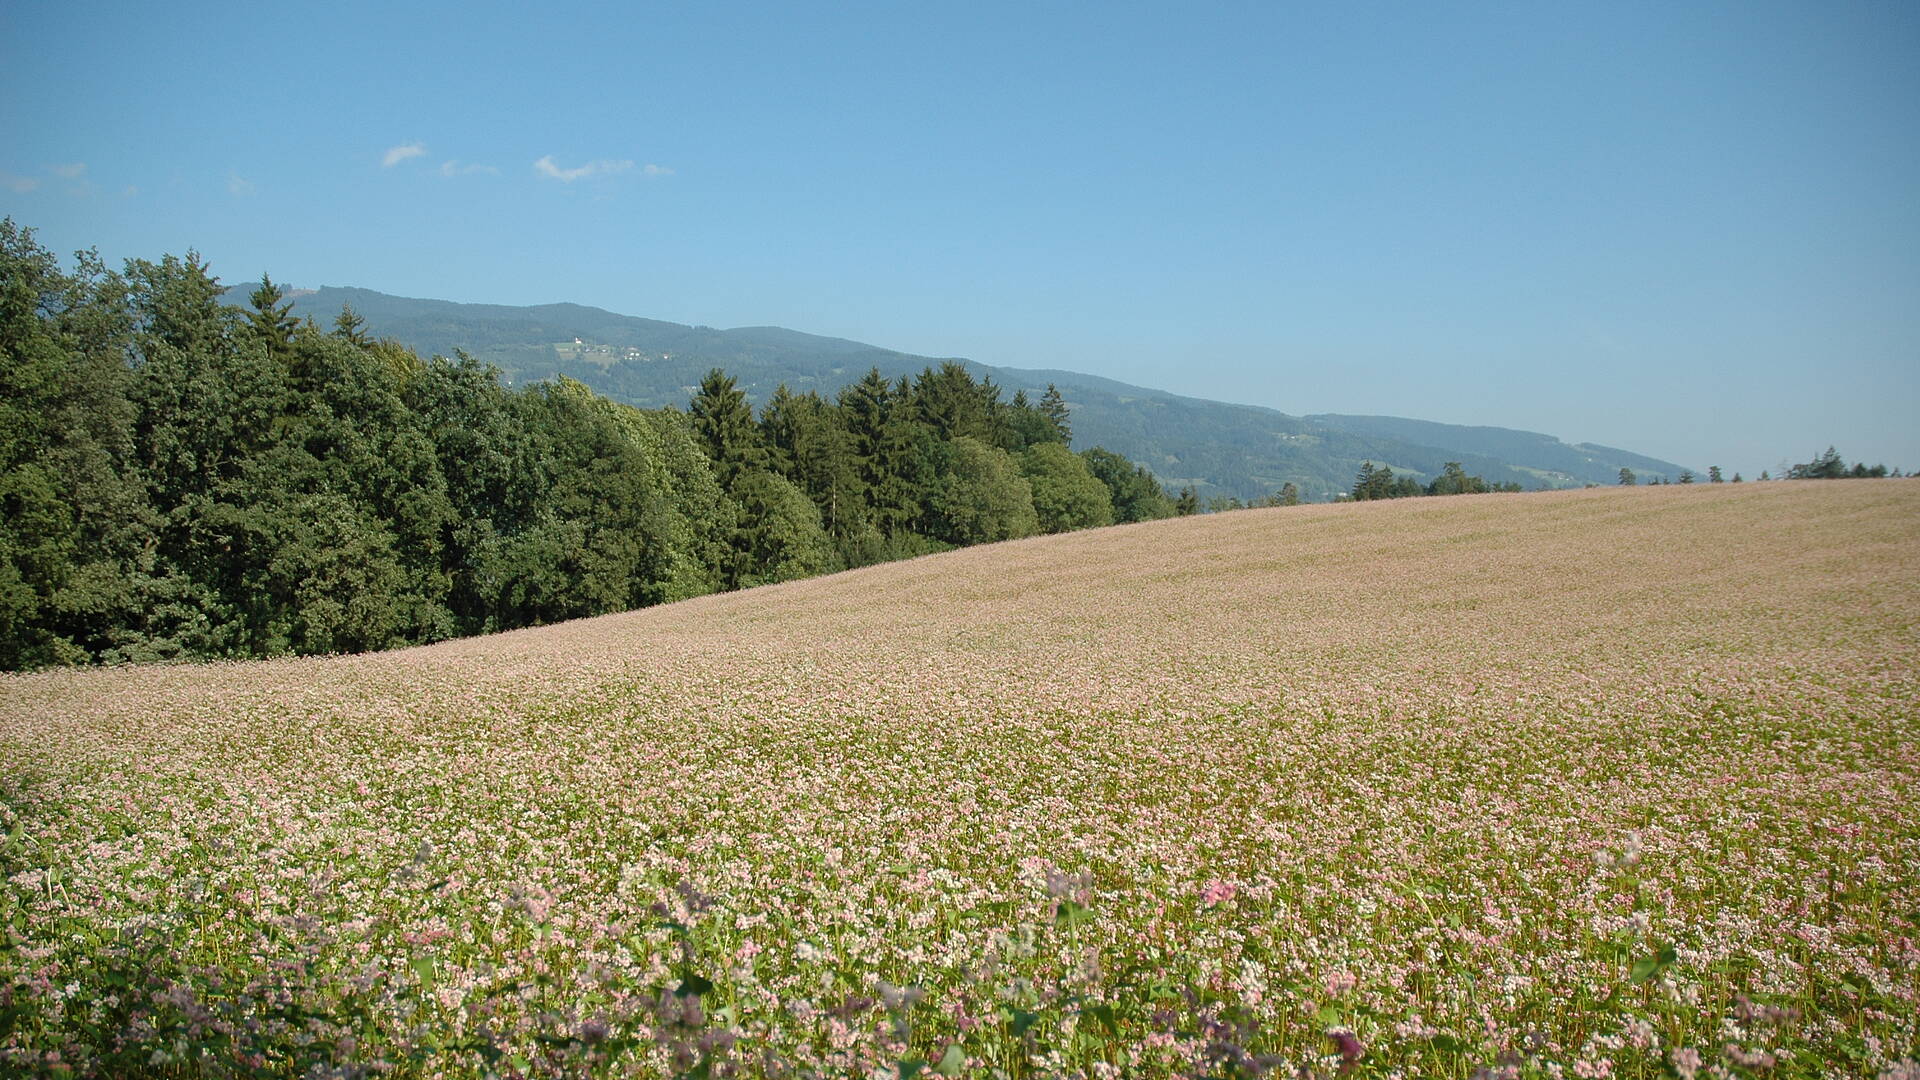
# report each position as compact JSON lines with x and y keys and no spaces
{"x":183,"y":479}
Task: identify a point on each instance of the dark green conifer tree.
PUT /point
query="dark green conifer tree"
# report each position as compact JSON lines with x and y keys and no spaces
{"x":272,"y":317}
{"x":724,"y":422}
{"x":1054,"y":408}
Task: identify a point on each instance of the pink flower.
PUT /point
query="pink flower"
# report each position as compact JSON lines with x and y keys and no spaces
{"x":1217,"y":892}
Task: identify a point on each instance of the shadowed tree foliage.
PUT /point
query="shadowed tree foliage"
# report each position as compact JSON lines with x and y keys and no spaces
{"x":184,"y":479}
{"x":881,"y":434}
{"x":1134,"y":493}
{"x":953,"y":405}
{"x":809,"y":443}
{"x":724,"y":422}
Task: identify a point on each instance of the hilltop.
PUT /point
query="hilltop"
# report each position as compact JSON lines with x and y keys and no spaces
{"x":1219,"y":448}
{"x":1559,"y":778}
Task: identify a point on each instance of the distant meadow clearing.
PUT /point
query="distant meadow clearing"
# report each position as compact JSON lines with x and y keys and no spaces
{"x":1607,"y":783}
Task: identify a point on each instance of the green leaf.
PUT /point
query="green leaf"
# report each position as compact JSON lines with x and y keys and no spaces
{"x":1104,"y":1016}
{"x":1328,"y":1015}
{"x":952,"y":1061}
{"x":1648,"y":967}
{"x":1018,"y":1020}
{"x":1071,"y":914}
{"x":910,"y":1068}
{"x":422,"y":967}
{"x":692,"y":985}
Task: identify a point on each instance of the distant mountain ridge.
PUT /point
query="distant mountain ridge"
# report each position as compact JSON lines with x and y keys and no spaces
{"x":1218,"y":448}
{"x":1589,"y":462}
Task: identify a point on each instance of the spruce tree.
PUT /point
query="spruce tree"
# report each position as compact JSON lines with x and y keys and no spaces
{"x":724,"y":423}
{"x":1054,"y":408}
{"x":272,"y":316}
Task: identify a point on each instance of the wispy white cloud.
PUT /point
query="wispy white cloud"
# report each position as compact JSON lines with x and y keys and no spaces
{"x":604,"y":167}
{"x":19,"y":185}
{"x":451,"y":167}
{"x":397,"y":154}
{"x":71,"y":171}
{"x":129,"y":191}
{"x":239,"y":185}
{"x":656,"y":170}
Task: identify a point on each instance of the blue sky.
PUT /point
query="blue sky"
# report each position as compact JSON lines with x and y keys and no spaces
{"x":1692,"y":230}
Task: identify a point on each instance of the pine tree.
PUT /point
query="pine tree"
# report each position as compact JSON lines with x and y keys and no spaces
{"x":808,"y":444}
{"x":950,"y":402}
{"x":272,"y":315}
{"x":1376,"y":483}
{"x":1054,"y":408}
{"x":1363,"y":483}
{"x":351,"y":328}
{"x":877,"y":419}
{"x":724,"y":423}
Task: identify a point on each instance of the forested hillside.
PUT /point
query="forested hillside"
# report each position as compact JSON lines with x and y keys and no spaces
{"x":1220,"y":449}
{"x":1589,"y":463}
{"x":187,"y":479}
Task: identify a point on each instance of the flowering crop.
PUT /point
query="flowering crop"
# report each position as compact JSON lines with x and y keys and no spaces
{"x":1603,"y":783}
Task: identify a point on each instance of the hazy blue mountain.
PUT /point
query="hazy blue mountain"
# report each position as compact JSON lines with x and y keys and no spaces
{"x":1218,"y":448}
{"x":1587,"y":463}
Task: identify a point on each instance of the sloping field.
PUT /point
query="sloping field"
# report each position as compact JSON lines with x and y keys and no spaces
{"x":1602,"y":783}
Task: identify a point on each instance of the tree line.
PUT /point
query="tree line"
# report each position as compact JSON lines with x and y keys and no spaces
{"x":1830,"y":466}
{"x":183,"y":479}
{"x":1379,"y":482}
{"x":1825,"y":466}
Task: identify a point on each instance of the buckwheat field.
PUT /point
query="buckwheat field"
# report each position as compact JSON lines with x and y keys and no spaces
{"x":1606,"y":783}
